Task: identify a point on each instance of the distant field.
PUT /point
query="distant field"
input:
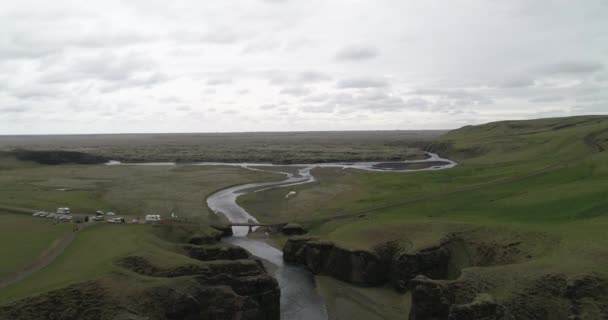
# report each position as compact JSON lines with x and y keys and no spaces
{"x":126,"y":190}
{"x":273,"y":147}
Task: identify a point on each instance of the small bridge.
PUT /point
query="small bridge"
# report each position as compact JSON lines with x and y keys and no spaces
{"x":255,"y":224}
{"x":271,"y":227}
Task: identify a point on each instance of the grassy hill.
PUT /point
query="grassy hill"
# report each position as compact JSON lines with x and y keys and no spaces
{"x":540,"y":184}
{"x":558,"y":138}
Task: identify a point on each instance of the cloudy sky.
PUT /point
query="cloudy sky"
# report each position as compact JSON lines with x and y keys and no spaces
{"x":278,"y":65}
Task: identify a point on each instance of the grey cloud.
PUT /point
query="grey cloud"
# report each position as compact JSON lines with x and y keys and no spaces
{"x":324,"y":108}
{"x":296,"y":91}
{"x":374,"y":101}
{"x":36,"y":92}
{"x":219,"y":81}
{"x":183,"y":108}
{"x":316,"y":98}
{"x":312,"y":76}
{"x":417,"y":103}
{"x":362,"y":83}
{"x":145,"y":80}
{"x":170,"y":99}
{"x":105,"y":66}
{"x":455,"y":97}
{"x":355,"y":53}
{"x":37,"y":41}
{"x":278,"y":77}
{"x":516,"y":83}
{"x":260,"y":47}
{"x":572,"y":67}
{"x":547,"y":99}
{"x":19,"y":109}
{"x":221,"y":36}
{"x":598,"y":108}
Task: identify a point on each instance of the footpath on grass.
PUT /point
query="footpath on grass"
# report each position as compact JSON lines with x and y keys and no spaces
{"x":48,"y":256}
{"x":17,"y":209}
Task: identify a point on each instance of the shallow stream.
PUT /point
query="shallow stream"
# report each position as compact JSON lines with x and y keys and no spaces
{"x":299,"y":298}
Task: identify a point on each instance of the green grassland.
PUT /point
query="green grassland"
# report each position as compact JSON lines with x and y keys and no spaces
{"x":548,"y":176}
{"x":24,"y":238}
{"x":92,"y":255}
{"x":544,"y":182}
{"x":127,"y":190}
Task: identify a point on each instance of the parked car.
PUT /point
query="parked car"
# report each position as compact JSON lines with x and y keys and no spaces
{"x":39,"y":213}
{"x":51,"y":215}
{"x":116,"y":220}
{"x":98,"y":218}
{"x":110,"y":213}
{"x":44,"y":214}
{"x":64,"y":210}
{"x":99,"y":213}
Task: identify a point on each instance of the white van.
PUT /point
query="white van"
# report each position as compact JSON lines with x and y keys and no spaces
{"x":152,"y":217}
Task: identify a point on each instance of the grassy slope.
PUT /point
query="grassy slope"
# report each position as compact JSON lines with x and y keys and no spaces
{"x":33,"y":235}
{"x":127,"y":190}
{"x":543,"y":175}
{"x":92,"y":255}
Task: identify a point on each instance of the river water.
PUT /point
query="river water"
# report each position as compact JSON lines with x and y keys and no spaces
{"x":299,"y":298}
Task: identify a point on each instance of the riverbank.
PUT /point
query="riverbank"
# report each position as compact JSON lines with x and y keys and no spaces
{"x":527,"y":201}
{"x":299,"y":295}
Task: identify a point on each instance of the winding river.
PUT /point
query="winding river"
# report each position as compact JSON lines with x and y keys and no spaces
{"x":299,"y":297}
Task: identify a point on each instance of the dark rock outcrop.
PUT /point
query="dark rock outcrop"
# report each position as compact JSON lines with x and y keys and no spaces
{"x":87,"y":301}
{"x":210,"y":253}
{"x":225,"y":230}
{"x":431,"y":300}
{"x":293,"y":229}
{"x":544,"y":296}
{"x":432,"y":262}
{"x":252,"y":292}
{"x":483,"y":307}
{"x":322,"y":257}
{"x":178,"y":299}
{"x":367,"y":268}
{"x":226,"y":283}
{"x":55,"y":157}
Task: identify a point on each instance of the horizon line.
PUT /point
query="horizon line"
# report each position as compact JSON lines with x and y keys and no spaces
{"x":211,"y":132}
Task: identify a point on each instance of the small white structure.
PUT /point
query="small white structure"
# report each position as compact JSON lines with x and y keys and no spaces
{"x":152,"y":217}
{"x":63,"y":210}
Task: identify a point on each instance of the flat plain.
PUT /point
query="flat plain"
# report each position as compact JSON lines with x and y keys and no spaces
{"x":260,"y":147}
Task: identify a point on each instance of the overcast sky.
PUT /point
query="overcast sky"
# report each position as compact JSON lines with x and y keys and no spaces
{"x":278,"y":65}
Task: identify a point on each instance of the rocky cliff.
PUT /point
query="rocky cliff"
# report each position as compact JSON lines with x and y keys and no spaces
{"x":462,"y":277}
{"x":214,"y":281}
